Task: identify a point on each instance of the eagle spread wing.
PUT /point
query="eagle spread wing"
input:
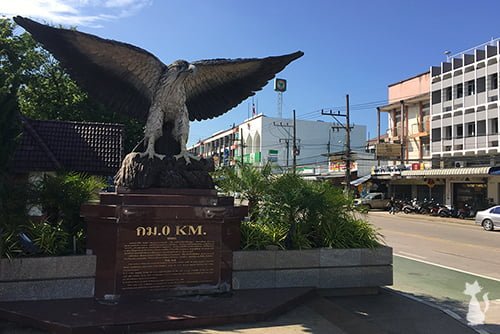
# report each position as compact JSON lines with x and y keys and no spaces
{"x":122,"y":76}
{"x":125,"y":77}
{"x":221,"y":84}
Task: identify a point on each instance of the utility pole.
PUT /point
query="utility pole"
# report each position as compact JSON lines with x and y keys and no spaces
{"x":295,"y":148}
{"x":378,"y":136}
{"x":287,"y":142}
{"x":402,"y":136}
{"x":285,"y":127}
{"x":348,"y":144}
{"x":347,"y":128}
{"x":241,"y":144}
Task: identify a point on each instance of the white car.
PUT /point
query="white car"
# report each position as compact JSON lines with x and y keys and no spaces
{"x":489,"y":218}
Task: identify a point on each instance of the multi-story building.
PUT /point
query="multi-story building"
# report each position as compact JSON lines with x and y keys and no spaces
{"x":464,"y":107}
{"x":408,"y":126}
{"x":409,"y":118}
{"x":461,"y":101}
{"x":263,"y":139}
{"x":464,"y":123}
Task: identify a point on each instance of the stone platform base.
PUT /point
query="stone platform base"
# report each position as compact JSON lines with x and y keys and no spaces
{"x":86,"y":316}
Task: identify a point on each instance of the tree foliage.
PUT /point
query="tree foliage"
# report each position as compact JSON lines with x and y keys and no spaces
{"x":9,"y":133}
{"x":10,"y":129}
{"x":19,"y":57}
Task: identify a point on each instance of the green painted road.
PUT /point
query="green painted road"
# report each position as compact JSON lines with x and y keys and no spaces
{"x":444,"y":287}
{"x":435,"y":257}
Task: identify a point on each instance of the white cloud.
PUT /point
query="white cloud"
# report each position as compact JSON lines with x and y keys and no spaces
{"x":73,"y":12}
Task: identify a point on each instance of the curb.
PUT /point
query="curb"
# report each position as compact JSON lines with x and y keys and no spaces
{"x":436,"y":306}
{"x":412,"y":216}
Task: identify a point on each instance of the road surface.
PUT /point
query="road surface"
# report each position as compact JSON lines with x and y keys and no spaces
{"x":435,"y":257}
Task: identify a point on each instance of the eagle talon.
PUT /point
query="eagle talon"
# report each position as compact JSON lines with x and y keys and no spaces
{"x":152,"y":155}
{"x":187,"y":156}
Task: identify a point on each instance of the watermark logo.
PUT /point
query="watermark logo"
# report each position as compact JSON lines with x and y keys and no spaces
{"x":475,"y":316}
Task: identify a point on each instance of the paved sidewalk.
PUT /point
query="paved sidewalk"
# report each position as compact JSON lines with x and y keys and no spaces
{"x":387,"y":312}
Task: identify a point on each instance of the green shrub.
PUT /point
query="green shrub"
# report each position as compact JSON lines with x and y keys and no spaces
{"x":14,"y":204}
{"x":261,"y":236}
{"x":51,"y":239}
{"x":249,"y":181}
{"x":296,"y":214}
{"x":60,"y":197}
{"x":9,"y":244}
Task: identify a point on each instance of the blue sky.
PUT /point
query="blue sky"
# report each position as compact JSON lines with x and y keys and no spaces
{"x":351,"y":47}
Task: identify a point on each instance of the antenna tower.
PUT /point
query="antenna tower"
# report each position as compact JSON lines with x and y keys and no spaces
{"x":280,"y":104}
{"x":280,"y":87}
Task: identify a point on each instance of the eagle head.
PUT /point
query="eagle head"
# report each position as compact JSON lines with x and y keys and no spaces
{"x":181,"y":68}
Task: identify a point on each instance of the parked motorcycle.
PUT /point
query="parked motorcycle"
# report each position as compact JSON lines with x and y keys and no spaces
{"x":425,"y":206}
{"x":466,"y":212}
{"x":434,"y":209}
{"x":411,"y":207}
{"x":445,"y":211}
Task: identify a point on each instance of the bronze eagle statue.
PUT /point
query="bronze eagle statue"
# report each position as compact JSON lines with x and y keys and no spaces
{"x":128,"y":79}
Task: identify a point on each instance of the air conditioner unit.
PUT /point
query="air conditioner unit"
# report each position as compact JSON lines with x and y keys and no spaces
{"x":459,"y":164}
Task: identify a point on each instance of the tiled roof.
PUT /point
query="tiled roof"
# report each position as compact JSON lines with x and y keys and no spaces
{"x":94,"y":148}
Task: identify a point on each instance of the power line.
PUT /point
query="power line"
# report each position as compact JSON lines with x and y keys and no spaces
{"x":355,"y":107}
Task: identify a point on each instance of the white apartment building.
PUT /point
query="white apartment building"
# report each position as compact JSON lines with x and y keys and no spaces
{"x":464,"y":104}
{"x":267,"y":139}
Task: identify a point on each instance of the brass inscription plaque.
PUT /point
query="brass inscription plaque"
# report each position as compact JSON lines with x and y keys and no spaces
{"x":170,"y":256}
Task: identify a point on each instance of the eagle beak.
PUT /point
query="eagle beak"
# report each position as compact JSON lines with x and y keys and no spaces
{"x":191,"y":68}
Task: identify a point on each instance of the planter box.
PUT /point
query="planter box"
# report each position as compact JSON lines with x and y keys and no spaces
{"x":40,"y":278}
{"x":322,"y":268}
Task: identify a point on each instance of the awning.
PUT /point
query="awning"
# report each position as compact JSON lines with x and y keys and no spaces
{"x":361,"y":180}
{"x":452,"y":171}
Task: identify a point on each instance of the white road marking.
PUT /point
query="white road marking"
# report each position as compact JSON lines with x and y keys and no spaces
{"x":451,"y":313}
{"x":411,"y":254}
{"x":450,"y":268}
{"x":481,"y":331}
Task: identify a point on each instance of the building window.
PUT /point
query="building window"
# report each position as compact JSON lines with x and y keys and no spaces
{"x":426,"y":110}
{"x":436,"y":96}
{"x":481,"y":84}
{"x":493,"y":126}
{"x":481,"y":128}
{"x":436,"y":135}
{"x":447,"y":132}
{"x":447,"y":94}
{"x":470,"y":87}
{"x":459,"y":90}
{"x":471,"y":129}
{"x":459,"y":131}
{"x":493,"y":81}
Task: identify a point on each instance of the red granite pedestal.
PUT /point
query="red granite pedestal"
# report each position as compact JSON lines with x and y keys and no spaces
{"x":162,"y":242}
{"x":164,"y":261}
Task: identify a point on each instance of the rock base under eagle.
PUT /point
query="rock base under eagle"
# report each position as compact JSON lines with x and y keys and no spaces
{"x":138,"y":172}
